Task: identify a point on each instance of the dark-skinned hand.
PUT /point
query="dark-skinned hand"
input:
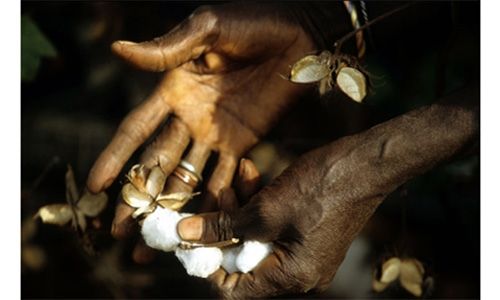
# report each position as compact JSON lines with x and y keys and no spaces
{"x":222,"y":90}
{"x":316,"y":207}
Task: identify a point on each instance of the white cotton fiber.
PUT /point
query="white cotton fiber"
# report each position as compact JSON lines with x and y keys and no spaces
{"x":200,"y":262}
{"x":251,"y":255}
{"x":159,"y":229}
{"x":229,"y":259}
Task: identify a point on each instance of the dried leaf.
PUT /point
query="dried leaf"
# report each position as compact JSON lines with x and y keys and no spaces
{"x":156,"y":181}
{"x":378,"y":286}
{"x":81,"y":221}
{"x":135,"y":198}
{"x":390,"y":270}
{"x":138,"y":175}
{"x":71,"y":189}
{"x":352,"y":82}
{"x":411,"y":277}
{"x":92,"y":204}
{"x":180,"y":196}
{"x":143,"y":210}
{"x":59,"y":214}
{"x":174,"y":201}
{"x":311,"y":68}
{"x":414,"y":288}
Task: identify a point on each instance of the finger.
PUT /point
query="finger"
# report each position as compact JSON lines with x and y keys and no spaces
{"x":166,"y":152}
{"x":185,"y":42}
{"x":230,"y":281}
{"x":268,"y":279}
{"x":142,"y":254}
{"x":197,"y":158}
{"x":218,"y":277}
{"x":221,"y":178}
{"x":132,"y":132}
{"x":247,"y":181}
{"x":206,"y":228}
{"x":228,"y":201}
{"x":168,"y":147}
{"x":251,"y":222}
{"x":123,"y":225}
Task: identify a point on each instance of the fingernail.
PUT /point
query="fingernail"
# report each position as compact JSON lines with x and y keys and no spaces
{"x":126,"y":43}
{"x":191,"y":228}
{"x":118,"y":45}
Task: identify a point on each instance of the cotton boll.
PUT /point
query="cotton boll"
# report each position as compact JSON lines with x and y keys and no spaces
{"x":200,"y":262}
{"x":252,"y":253}
{"x":159,"y":229}
{"x":229,"y":259}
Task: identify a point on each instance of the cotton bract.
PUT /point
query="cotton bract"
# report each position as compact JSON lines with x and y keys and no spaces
{"x":352,"y":82}
{"x":311,"y":68}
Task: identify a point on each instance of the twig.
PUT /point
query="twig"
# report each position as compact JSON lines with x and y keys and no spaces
{"x":338,"y":43}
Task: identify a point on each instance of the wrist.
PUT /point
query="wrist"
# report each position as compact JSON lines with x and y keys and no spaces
{"x":376,"y":162}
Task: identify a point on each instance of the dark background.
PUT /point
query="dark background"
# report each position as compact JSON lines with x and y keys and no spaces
{"x":71,"y":108}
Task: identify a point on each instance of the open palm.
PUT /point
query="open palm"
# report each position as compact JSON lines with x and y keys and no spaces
{"x":222,"y":90}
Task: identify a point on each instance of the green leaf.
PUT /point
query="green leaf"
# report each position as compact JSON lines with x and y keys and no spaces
{"x":34,"y":46}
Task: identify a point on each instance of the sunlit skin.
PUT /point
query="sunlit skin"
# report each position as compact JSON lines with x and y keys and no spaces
{"x":222,"y":88}
{"x":313,"y":211}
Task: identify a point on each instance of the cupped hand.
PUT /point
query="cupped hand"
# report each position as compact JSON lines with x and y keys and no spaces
{"x":313,"y":211}
{"x":310,"y":223}
{"x":221,"y":89}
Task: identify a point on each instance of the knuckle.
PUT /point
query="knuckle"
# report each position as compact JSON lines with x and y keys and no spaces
{"x":225,"y":231}
{"x":203,"y":10}
{"x":217,"y":228}
{"x":133,"y":129}
{"x":215,"y":185}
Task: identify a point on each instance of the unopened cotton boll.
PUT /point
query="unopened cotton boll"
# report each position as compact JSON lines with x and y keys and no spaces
{"x":200,"y":262}
{"x":251,"y":254}
{"x":159,"y":229}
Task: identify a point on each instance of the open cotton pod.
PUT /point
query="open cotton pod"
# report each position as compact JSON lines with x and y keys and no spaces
{"x":76,"y":208}
{"x":407,"y":273}
{"x":352,"y":82}
{"x":311,"y":68}
{"x":412,"y":276}
{"x":159,"y":214}
{"x":159,"y":230}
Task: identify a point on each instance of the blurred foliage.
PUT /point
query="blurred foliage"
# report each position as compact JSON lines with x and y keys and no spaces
{"x":34,"y":46}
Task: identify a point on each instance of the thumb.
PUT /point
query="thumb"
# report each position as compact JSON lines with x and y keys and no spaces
{"x":207,"y":228}
{"x":187,"y":41}
{"x":245,"y":223}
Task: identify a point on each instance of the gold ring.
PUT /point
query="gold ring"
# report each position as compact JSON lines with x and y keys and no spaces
{"x":189,"y":167}
{"x":186,"y":176}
